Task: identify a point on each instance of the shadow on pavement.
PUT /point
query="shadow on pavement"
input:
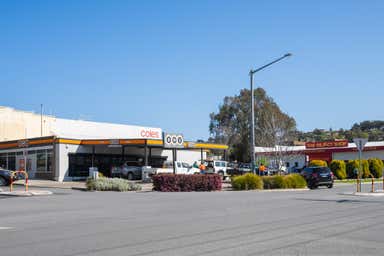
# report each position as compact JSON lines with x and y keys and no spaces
{"x":339,"y":200}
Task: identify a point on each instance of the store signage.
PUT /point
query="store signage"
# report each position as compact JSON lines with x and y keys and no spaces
{"x":151,"y":134}
{"x":23,"y":143}
{"x":172,"y":140}
{"x":327,"y":144}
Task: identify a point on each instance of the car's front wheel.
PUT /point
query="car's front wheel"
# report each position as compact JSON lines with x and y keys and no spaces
{"x":130,"y":176}
{"x":330,"y":186}
{"x":3,"y":181}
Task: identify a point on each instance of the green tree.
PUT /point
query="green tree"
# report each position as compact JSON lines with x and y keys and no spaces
{"x":338,"y":168}
{"x":318,"y":163}
{"x":231,"y":125}
{"x":376,"y":167}
{"x":353,"y":165}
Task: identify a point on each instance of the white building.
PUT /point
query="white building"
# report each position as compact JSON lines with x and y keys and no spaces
{"x":299,"y":156}
{"x":63,"y":149}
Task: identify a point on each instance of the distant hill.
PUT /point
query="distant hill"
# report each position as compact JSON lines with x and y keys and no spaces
{"x":373,"y":130}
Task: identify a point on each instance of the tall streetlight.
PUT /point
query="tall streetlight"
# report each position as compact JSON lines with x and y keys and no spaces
{"x":251,"y":73}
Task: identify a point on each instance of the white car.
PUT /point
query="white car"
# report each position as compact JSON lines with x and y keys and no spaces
{"x":217,"y":166}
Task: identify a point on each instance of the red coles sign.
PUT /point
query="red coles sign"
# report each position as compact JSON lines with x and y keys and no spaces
{"x":149,"y":134}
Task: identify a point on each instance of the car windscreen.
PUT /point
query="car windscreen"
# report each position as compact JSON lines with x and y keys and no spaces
{"x":321,"y":170}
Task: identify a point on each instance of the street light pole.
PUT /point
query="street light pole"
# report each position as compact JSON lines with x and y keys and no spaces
{"x":251,"y":73}
{"x":41,"y":120}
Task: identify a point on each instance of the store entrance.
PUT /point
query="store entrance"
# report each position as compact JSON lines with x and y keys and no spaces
{"x":79,"y":163}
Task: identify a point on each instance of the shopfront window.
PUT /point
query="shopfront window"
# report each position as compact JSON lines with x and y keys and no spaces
{"x":3,"y":161}
{"x":41,"y":161}
{"x":49,"y":160}
{"x":11,"y":161}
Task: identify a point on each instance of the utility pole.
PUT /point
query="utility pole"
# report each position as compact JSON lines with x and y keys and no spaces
{"x":41,"y":120}
{"x":251,"y":73}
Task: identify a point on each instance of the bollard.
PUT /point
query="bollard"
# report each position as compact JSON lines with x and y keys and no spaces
{"x":357,"y":184}
{"x":11,"y":183}
{"x":26,"y":182}
{"x":373,"y":186}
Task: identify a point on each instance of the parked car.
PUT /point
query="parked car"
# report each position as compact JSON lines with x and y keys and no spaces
{"x":232,"y":168}
{"x":245,"y":168}
{"x":128,"y":170}
{"x":180,"y":168}
{"x":217,"y":166}
{"x":294,"y":169}
{"x":318,"y":176}
{"x":5,"y":177}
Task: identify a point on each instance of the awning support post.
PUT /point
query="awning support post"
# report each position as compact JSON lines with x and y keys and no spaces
{"x":146,"y":154}
{"x":93,"y":156}
{"x":122,"y":153}
{"x":150,"y":156}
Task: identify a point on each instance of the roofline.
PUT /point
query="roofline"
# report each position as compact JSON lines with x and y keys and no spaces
{"x":38,"y":141}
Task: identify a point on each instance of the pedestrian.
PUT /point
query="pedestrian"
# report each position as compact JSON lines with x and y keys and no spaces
{"x":262,"y":169}
{"x":202,"y":168}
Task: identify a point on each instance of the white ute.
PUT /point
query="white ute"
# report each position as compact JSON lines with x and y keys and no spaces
{"x":180,"y":168}
{"x":217,"y":166}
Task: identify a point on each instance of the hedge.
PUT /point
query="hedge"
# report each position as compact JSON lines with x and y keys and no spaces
{"x":186,"y":183}
{"x":353,"y":165}
{"x":318,"y":163}
{"x":339,"y":169}
{"x":287,"y":181}
{"x":376,"y":167}
{"x":248,"y":181}
{"x":111,"y":184}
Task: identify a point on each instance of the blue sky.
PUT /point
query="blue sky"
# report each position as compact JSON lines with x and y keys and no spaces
{"x":169,"y":64}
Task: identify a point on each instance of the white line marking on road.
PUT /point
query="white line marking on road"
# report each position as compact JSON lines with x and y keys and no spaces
{"x":5,"y":228}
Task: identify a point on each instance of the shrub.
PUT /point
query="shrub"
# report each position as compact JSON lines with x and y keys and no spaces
{"x":318,"y":163}
{"x":248,"y":181}
{"x":111,"y":184}
{"x":186,"y":183}
{"x":338,"y":168}
{"x":288,"y":181}
{"x":295,"y":181}
{"x":353,"y":165}
{"x":376,"y":167}
{"x":273,"y":182}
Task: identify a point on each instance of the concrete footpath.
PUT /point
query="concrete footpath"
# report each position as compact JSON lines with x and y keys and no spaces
{"x":35,"y":183}
{"x":80,"y":185}
{"x":22,"y":193}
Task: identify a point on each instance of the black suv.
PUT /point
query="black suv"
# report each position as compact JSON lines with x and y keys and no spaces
{"x":318,"y":176}
{"x":5,"y":177}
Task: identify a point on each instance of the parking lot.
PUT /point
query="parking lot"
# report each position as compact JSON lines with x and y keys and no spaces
{"x":70,"y":222}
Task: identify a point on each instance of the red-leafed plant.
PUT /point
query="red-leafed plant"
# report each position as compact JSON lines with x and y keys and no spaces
{"x":186,"y":183}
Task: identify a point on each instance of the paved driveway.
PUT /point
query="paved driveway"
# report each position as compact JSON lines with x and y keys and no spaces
{"x":318,"y":222}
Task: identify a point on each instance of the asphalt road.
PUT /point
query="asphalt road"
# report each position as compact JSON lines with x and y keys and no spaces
{"x":317,"y":222}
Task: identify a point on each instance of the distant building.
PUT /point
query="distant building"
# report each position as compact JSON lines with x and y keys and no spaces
{"x":299,"y":156}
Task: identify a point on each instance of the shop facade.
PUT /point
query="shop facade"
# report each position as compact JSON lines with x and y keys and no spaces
{"x":70,"y":159}
{"x":299,"y":156}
